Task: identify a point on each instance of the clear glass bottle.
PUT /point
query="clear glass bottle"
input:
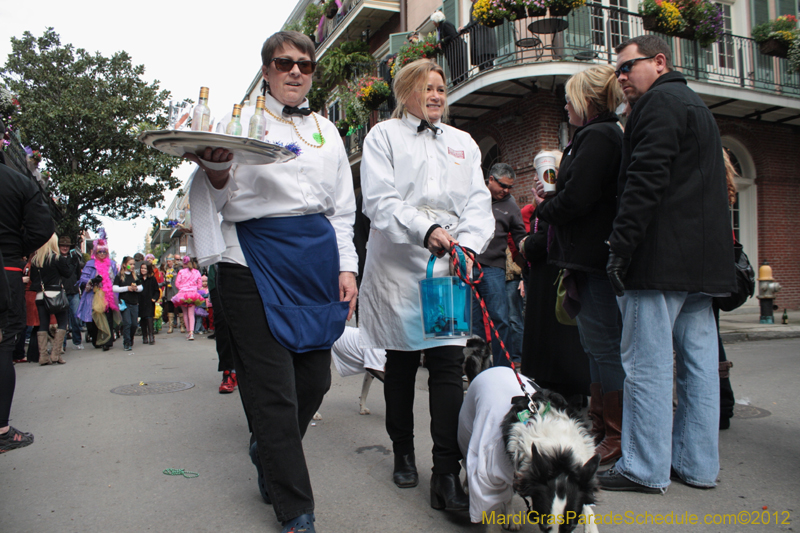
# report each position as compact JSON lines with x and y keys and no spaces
{"x":258,"y":122}
{"x":202,"y":113}
{"x":235,"y":125}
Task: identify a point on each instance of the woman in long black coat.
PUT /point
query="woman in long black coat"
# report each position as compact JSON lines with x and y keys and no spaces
{"x":147,"y":301}
{"x":551,"y":352}
{"x":482,"y":43}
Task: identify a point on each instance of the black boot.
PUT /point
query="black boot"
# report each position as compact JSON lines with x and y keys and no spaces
{"x":447,"y":494}
{"x":150,"y":330}
{"x":405,"y":471}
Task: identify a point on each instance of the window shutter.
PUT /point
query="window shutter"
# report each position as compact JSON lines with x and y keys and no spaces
{"x":396,"y":40}
{"x":760,"y":11}
{"x":785,"y":7}
{"x":450,"y":10}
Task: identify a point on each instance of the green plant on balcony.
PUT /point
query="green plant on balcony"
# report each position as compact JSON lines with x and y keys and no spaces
{"x":561,"y":8}
{"x":490,"y":13}
{"x":794,"y":55}
{"x":662,"y":16}
{"x":317,"y":97}
{"x":705,"y":18}
{"x":775,"y":37}
{"x":310,"y":21}
{"x":345,"y":62}
{"x":293,"y":26}
{"x":331,"y":8}
{"x":372,"y":91}
{"x":423,"y":48}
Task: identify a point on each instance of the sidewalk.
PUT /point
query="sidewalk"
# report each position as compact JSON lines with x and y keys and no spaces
{"x":743,"y":325}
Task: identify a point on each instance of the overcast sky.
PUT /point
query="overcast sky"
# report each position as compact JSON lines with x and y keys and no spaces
{"x":184,"y":45}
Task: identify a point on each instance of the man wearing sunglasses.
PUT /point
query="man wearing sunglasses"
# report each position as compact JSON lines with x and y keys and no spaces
{"x":492,"y":288}
{"x":670,"y":251}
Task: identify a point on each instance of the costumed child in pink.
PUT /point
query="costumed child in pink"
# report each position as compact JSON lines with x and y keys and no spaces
{"x":188,"y":282}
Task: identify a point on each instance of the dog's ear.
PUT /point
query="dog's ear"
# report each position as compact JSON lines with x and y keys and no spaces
{"x":588,"y":470}
{"x":540,"y":467}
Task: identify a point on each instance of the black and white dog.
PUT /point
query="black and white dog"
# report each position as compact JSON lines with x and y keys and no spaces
{"x":543,"y":452}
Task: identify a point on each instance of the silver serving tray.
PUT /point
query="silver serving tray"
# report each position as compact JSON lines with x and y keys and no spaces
{"x":245,"y":151}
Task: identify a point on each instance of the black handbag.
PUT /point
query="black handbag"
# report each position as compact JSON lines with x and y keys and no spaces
{"x":57,"y":303}
{"x":745,"y":281}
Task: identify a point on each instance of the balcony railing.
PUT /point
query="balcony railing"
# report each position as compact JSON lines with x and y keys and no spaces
{"x":355,"y":141}
{"x":330,"y":25}
{"x":590,"y":36}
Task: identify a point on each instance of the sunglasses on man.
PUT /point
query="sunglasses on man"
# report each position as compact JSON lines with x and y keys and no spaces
{"x":501,"y":184}
{"x":283,"y":64}
{"x":627,"y":66}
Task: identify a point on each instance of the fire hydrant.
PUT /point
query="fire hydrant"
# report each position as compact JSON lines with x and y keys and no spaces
{"x":767,"y":287}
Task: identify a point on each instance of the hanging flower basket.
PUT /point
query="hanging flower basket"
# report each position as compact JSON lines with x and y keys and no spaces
{"x":650,"y":22}
{"x":343,"y":127}
{"x":519,"y":12}
{"x":688,"y":33}
{"x":774,"y":47}
{"x":560,"y":11}
{"x":537,"y":11}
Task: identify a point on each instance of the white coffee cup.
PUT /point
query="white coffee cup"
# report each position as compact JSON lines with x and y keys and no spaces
{"x":545,"y":164}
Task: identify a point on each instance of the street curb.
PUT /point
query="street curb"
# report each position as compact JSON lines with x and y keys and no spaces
{"x":737,"y":336}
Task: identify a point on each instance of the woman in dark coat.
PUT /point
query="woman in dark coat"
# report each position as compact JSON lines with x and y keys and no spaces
{"x":551,"y":352}
{"x":482,"y":43}
{"x":453,"y":47}
{"x":48,"y":266}
{"x":147,"y":301}
{"x":582,"y":212}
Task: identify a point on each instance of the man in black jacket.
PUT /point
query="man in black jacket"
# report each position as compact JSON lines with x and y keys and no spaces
{"x":71,"y":287}
{"x":25,"y":225}
{"x":492,"y":288}
{"x":671,"y":249}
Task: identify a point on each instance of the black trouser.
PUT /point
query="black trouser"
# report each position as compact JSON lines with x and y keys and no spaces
{"x":62,"y":317}
{"x":281,"y":391}
{"x":445,"y":394}
{"x":15,"y":325}
{"x":726,"y":399}
{"x":221,"y":333}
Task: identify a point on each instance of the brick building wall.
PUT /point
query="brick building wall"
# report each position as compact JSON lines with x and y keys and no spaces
{"x":775,"y":150}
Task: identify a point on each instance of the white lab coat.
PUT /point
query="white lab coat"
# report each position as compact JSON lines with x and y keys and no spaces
{"x":409,"y":182}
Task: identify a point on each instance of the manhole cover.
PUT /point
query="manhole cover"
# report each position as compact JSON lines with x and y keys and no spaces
{"x":749,"y":411}
{"x":153,"y":387}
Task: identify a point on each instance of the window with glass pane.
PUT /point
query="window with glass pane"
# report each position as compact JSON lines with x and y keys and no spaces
{"x":722,"y":51}
{"x":618,"y":23}
{"x":333,"y":112}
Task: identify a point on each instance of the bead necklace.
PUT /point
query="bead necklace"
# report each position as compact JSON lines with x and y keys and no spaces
{"x":317,"y":136}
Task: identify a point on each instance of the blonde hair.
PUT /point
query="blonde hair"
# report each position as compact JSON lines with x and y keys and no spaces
{"x":730,"y":177}
{"x":597,"y":86}
{"x":414,"y":77}
{"x":46,"y":252}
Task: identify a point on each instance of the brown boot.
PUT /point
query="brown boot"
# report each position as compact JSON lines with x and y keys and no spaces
{"x":170,"y":320}
{"x":180,"y":321}
{"x":596,"y":413}
{"x":58,"y":347}
{"x":44,"y":357}
{"x":611,"y":447}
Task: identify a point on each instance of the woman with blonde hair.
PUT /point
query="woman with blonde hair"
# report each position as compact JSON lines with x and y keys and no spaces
{"x":582,"y":212}
{"x":48,"y":266}
{"x":423,"y":191}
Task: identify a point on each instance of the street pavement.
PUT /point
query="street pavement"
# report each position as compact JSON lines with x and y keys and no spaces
{"x":98,"y":458}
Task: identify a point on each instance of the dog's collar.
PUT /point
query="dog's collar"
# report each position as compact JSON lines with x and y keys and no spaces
{"x":524,"y":416}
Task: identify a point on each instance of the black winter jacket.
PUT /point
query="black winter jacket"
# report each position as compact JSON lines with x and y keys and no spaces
{"x":25,"y":223}
{"x":51,"y":274}
{"x":583,"y":209}
{"x":673,"y":218}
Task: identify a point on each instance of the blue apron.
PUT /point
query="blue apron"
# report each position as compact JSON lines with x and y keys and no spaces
{"x":295,"y":262}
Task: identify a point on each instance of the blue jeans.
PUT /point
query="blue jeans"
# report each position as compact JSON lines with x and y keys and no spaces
{"x":516,"y":320}
{"x":492,"y":289}
{"x":600,"y":328}
{"x":74,"y":323}
{"x":655,"y":322}
{"x":130,"y":319}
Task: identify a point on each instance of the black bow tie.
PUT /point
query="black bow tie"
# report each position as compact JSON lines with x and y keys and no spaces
{"x":305,"y":111}
{"x":425,"y":124}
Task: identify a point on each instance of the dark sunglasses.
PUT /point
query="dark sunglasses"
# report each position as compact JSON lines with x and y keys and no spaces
{"x":626,"y":67}
{"x":286,"y":65}
{"x":503,"y":185}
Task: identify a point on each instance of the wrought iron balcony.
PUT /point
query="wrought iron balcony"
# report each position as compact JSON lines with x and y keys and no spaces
{"x":589,"y":35}
{"x":354,"y":18}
